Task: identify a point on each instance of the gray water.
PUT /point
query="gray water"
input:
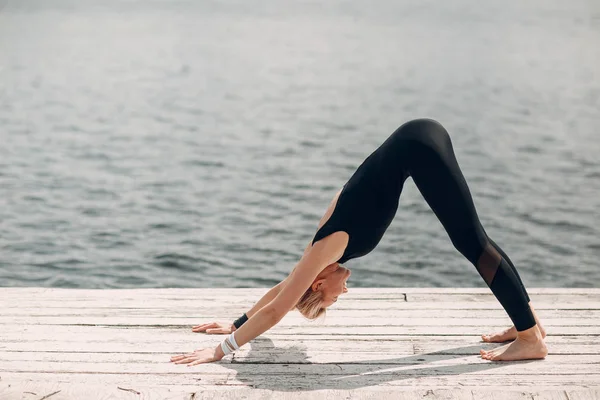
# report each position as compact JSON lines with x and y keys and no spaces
{"x":197,"y":144}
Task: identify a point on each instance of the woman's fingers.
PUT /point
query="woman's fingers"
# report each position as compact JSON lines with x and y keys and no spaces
{"x":200,"y":328}
{"x":205,"y":325}
{"x":213,"y":327}
{"x":181,"y":357}
{"x":197,"y":357}
{"x":216,"y":330}
{"x":184,"y":360}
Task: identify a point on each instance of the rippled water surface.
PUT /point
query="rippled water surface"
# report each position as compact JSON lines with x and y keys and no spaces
{"x":197,"y":144}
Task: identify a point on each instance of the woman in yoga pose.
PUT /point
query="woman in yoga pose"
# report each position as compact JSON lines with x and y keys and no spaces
{"x":355,"y":222}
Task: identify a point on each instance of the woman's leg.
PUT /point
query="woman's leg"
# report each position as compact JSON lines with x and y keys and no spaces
{"x":511,"y":333}
{"x":432,"y":164}
{"x":510,"y":263}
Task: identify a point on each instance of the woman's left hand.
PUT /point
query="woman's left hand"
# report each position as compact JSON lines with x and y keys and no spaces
{"x":199,"y":356}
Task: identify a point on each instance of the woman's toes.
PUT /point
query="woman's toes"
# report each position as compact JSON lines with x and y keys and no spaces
{"x":494,"y":352}
{"x":504,"y":336}
{"x":485,"y":353}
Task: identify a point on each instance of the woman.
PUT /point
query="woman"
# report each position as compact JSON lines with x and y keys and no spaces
{"x":355,"y":222}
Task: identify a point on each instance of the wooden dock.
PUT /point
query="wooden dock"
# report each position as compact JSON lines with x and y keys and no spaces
{"x":413,"y":343}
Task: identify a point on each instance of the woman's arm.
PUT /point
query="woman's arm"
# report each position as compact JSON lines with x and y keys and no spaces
{"x":275,"y":290}
{"x":266,"y":299}
{"x":302,"y":276}
{"x":219,"y":328}
{"x":272,"y":293}
{"x":314,"y":259}
{"x":283,"y":297}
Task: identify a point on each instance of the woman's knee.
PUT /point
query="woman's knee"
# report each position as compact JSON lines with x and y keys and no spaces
{"x":424,"y":130}
{"x":420,"y":127}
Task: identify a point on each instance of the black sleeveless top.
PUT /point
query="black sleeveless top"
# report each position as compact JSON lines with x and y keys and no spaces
{"x":368,"y":201}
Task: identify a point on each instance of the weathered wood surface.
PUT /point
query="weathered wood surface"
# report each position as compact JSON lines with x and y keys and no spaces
{"x":374,"y":343}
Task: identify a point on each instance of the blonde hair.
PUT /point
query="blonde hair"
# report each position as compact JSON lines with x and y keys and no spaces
{"x":309,"y":304}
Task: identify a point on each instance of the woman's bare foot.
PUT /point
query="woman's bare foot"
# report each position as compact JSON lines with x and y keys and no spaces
{"x":529,"y":344}
{"x":511,"y":333}
{"x":506,"y":335}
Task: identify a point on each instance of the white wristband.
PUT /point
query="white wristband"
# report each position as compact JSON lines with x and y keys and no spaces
{"x":229,"y":345}
{"x":232,"y":340}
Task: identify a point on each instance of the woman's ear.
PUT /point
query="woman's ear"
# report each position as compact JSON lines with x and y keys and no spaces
{"x":318,"y":284}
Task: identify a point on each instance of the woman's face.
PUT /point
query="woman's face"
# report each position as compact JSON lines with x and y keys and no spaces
{"x":333,"y":282}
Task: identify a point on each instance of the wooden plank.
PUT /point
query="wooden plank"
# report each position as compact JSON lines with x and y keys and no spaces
{"x":105,"y":335}
{"x":287,"y":355}
{"x":558,"y":299}
{"x":240,"y":294}
{"x":182,"y":292}
{"x":71,"y":332}
{"x":299,"y":321}
{"x":61,"y":391}
{"x":71,"y":391}
{"x":11,"y":296}
{"x":301,"y":348}
{"x":193,"y":312}
{"x":238,"y":307}
{"x":132,"y":336}
{"x":455,"y":377}
{"x":473,"y":365}
{"x":392,"y":357}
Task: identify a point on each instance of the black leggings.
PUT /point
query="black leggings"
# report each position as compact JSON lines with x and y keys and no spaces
{"x":428,"y":156}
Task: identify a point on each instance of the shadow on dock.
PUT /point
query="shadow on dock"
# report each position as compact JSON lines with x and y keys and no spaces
{"x":365,"y":373}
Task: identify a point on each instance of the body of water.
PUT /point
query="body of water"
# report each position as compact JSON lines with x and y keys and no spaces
{"x":197,"y":144}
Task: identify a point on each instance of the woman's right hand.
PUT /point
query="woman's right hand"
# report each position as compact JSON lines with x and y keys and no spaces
{"x":214,"y":327}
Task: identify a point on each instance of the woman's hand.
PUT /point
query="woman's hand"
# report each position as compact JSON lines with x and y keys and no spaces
{"x":214,"y":327}
{"x":199,"y":356}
